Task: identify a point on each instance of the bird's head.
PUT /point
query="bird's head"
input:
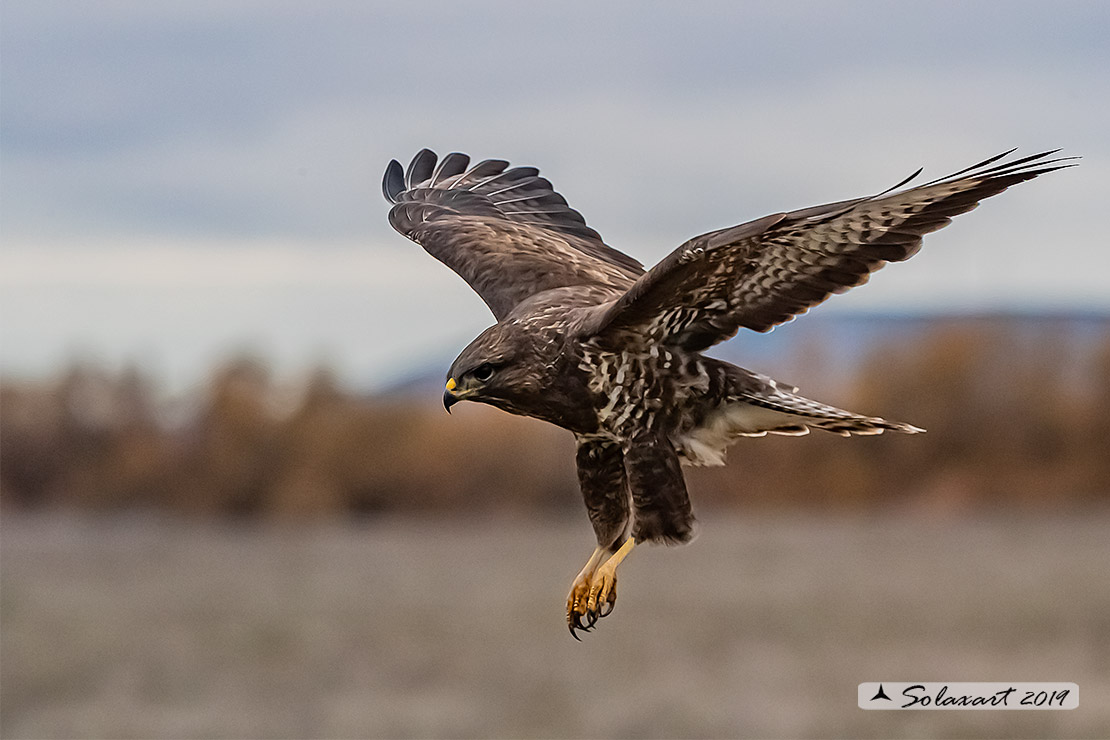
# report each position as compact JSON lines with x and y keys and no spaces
{"x":501,"y":367}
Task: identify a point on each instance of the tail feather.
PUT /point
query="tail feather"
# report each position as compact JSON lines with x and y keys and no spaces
{"x":773,"y":410}
{"x":800,"y":410}
{"x":756,"y":405}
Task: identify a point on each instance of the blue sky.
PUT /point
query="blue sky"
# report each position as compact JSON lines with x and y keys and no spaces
{"x":180,"y":181}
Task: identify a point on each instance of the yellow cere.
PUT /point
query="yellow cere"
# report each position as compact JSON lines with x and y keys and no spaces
{"x":451,"y":384}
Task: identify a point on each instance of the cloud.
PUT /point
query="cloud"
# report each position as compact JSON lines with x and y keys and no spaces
{"x":179,"y":309}
{"x":223,"y":158}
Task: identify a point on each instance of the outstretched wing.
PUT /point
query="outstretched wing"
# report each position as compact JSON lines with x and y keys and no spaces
{"x":505,"y":231}
{"x":765,"y":272}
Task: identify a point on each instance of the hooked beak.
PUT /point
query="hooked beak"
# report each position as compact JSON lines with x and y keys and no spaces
{"x":449,"y":398}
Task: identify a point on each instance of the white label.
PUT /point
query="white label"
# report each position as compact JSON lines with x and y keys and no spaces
{"x":939,"y":695}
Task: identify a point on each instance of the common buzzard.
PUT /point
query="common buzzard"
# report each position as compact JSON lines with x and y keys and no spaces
{"x":589,"y":341}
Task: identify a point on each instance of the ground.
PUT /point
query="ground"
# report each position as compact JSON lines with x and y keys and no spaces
{"x":426,"y":628}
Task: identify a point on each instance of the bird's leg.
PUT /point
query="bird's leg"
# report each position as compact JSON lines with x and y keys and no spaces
{"x":580,"y":592}
{"x":594,"y":592}
{"x":603,"y":585}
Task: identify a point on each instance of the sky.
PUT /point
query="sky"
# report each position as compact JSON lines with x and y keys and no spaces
{"x":184,"y":181}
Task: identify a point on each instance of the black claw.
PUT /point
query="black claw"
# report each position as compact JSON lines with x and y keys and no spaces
{"x":574,"y":622}
{"x":592,"y":617}
{"x":602,"y":614}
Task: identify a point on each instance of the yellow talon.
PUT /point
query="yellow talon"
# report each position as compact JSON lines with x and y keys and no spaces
{"x":593,"y":593}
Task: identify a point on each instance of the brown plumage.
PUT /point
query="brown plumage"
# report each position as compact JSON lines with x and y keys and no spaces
{"x":587,"y":340}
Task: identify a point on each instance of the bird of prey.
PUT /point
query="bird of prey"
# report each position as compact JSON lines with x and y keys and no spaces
{"x":588,"y":340}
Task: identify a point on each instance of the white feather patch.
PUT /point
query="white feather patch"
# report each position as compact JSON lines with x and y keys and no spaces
{"x":706,"y":444}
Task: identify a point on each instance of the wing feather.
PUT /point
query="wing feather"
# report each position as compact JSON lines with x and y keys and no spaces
{"x":420,"y":168}
{"x":453,"y":164}
{"x":763,"y":273}
{"x":503,"y":230}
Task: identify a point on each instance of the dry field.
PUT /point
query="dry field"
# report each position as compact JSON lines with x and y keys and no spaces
{"x":438,"y":628}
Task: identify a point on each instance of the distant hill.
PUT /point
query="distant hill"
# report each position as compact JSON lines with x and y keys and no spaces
{"x":1017,"y":409}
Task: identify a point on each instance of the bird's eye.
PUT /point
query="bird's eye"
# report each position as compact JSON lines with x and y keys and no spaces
{"x":483,"y":372}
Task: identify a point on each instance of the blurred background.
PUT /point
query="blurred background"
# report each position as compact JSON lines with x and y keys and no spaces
{"x":232,"y":505}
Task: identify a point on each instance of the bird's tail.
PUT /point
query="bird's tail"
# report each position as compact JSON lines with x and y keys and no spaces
{"x":757,"y":405}
{"x":779,"y":412}
{"x":790,"y":413}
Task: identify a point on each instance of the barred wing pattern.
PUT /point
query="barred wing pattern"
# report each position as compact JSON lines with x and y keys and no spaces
{"x":505,"y":231}
{"x":763,"y":273}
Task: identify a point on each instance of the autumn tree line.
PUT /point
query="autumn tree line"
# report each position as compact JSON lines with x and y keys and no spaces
{"x":1016,"y":420}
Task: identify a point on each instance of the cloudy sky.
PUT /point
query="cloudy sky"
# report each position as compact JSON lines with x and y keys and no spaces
{"x":179,"y":181}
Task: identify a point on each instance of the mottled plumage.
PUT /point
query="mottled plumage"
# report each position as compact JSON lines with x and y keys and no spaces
{"x":587,"y":340}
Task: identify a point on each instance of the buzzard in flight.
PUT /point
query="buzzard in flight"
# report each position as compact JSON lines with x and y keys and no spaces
{"x":588,"y":340}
